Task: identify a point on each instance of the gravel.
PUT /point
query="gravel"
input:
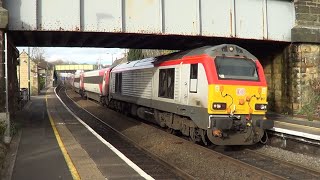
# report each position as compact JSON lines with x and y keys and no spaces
{"x":198,"y":161}
{"x":310,"y":162}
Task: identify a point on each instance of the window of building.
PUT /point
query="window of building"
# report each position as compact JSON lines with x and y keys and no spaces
{"x":118,"y":85}
{"x":166,"y":83}
{"x":193,"y":78}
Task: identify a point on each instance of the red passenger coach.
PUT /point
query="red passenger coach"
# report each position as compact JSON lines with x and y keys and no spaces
{"x":78,"y":82}
{"x":96,"y":84}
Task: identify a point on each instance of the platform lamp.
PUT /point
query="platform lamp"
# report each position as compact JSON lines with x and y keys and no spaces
{"x":29,"y":70}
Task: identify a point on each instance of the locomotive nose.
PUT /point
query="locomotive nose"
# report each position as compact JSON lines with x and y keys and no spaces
{"x":238,"y":100}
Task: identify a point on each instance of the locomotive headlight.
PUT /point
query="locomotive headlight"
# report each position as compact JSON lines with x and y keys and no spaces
{"x":261,"y":106}
{"x":219,"y":106}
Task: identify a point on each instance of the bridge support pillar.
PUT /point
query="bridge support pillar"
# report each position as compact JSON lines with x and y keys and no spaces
{"x":4,"y":116}
{"x":293,"y":77}
{"x":304,"y":59}
{"x":304,"y":65}
{"x":3,"y":26}
{"x":8,"y":72}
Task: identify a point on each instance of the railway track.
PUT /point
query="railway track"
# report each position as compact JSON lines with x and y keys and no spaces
{"x":294,"y":143}
{"x":285,"y":169}
{"x":262,"y":166}
{"x":151,"y":165}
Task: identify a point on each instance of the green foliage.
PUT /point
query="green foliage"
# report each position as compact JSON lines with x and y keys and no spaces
{"x":42,"y":82}
{"x":13,"y":128}
{"x":2,"y":128}
{"x":312,"y":109}
{"x":135,"y":54}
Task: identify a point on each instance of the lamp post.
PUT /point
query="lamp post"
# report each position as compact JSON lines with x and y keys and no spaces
{"x":29,"y":86}
{"x":111,"y":57}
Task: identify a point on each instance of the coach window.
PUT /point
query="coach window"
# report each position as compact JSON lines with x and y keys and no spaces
{"x":166,"y":83}
{"x":193,"y":78}
{"x":118,"y":85}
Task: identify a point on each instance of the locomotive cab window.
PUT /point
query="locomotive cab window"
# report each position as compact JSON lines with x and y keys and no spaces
{"x":118,"y":84}
{"x":76,"y":80}
{"x":236,"y":69}
{"x":166,"y":83}
{"x":193,"y":78}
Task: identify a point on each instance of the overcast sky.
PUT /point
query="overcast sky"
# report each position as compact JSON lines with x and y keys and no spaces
{"x":81,"y":55}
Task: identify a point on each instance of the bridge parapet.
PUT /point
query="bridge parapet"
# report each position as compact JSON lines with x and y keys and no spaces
{"x":245,"y":19}
{"x":307,"y":27}
{"x":3,"y":17}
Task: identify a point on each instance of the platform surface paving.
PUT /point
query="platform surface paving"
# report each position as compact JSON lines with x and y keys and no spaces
{"x":39,"y":155}
{"x":295,"y":126}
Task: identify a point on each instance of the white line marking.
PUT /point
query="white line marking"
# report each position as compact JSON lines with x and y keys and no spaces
{"x":116,"y":151}
{"x":296,"y":133}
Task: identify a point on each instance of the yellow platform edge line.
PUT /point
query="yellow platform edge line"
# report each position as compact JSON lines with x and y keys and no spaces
{"x":72,"y":168}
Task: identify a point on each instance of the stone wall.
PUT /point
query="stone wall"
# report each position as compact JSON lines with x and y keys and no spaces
{"x":304,"y":61}
{"x":307,"y":12}
{"x":276,"y":73}
{"x":307,"y":21}
{"x":289,"y":75}
{"x":34,"y":84}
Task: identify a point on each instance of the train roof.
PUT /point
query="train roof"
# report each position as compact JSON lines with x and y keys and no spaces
{"x":213,"y":51}
{"x":94,"y":72}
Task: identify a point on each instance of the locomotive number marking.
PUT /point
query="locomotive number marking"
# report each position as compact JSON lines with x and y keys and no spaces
{"x":264,"y":90}
{"x":217,"y":88}
{"x":241,"y":91}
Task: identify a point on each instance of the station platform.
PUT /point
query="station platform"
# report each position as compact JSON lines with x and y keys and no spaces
{"x":295,"y":126}
{"x":53,"y":144}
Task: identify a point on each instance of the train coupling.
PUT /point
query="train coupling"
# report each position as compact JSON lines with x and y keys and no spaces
{"x":222,"y":122}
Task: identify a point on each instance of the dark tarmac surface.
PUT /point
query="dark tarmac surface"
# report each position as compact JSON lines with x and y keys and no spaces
{"x":79,"y":154}
{"x":39,"y":156}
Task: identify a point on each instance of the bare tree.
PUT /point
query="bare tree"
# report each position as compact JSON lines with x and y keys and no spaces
{"x":37,"y":54}
{"x":62,"y":62}
{"x":155,"y":52}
